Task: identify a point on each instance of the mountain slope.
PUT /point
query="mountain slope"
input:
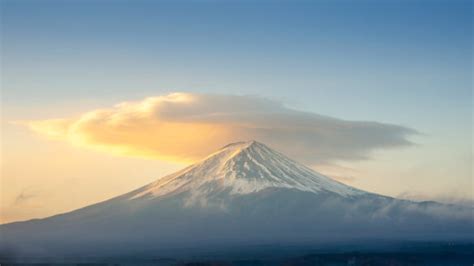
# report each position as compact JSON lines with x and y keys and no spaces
{"x":245,"y":193}
{"x":243,"y":168}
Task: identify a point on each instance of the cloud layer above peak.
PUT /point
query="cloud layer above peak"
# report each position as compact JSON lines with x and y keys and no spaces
{"x":186,"y":127}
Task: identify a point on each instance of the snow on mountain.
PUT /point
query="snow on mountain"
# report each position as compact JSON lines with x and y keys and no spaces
{"x":243,"y":168}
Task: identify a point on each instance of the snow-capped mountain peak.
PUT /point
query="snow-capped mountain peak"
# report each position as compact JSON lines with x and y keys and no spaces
{"x":243,"y":168}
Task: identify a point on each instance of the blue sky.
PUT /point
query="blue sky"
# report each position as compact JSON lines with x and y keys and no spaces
{"x":364,"y":54}
{"x":402,"y":62}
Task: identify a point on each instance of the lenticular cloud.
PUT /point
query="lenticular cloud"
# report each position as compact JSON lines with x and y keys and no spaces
{"x":187,"y":126}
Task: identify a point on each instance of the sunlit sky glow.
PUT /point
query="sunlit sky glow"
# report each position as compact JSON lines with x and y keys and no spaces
{"x":404,"y":65}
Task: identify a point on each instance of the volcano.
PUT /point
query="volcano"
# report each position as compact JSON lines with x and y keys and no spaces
{"x":243,"y":194}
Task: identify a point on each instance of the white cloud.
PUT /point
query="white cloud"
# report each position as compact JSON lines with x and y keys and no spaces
{"x":186,"y":127}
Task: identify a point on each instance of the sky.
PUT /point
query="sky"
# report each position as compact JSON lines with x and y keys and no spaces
{"x":377,"y":94}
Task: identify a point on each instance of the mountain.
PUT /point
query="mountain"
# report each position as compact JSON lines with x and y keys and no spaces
{"x":243,"y":194}
{"x":243,"y":168}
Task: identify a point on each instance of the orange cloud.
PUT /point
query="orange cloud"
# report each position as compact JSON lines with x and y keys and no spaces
{"x":185,"y":127}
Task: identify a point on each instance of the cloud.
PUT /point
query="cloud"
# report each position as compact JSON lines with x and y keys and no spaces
{"x":449,"y":197}
{"x":186,"y":126}
{"x":24,"y":196}
{"x":341,"y":173}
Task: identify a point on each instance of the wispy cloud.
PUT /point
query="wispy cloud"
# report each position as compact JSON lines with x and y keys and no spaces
{"x":449,"y":197}
{"x":24,"y":196}
{"x":186,"y":127}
